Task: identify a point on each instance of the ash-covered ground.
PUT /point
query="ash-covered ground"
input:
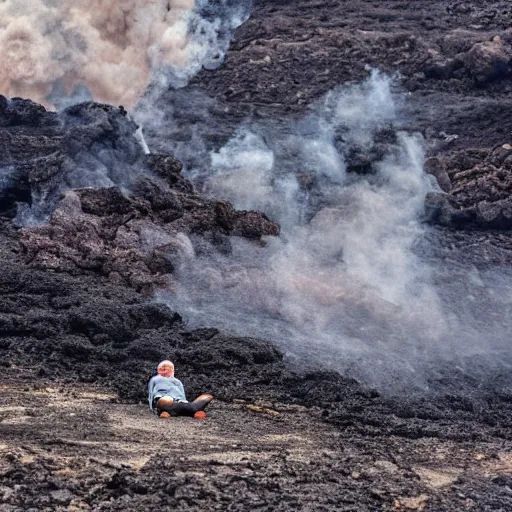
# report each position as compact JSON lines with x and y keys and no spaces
{"x":317,"y":230}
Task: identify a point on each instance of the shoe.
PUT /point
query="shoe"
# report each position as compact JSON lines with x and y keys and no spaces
{"x":200,"y":415}
{"x":164,"y":414}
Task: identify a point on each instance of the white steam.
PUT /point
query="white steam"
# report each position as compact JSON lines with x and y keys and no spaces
{"x":352,"y":282}
{"x":107,"y":49}
{"x":342,"y":282}
{"x":243,"y":172}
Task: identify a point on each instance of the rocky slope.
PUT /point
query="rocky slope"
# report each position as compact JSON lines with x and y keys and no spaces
{"x":453,"y":61}
{"x":455,"y":56}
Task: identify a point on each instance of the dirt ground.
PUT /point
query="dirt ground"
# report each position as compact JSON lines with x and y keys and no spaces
{"x":77,"y":448}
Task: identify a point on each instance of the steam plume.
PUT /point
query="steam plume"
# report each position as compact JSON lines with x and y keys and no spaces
{"x":345,"y":284}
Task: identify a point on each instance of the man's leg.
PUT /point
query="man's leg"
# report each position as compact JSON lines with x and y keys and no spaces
{"x":201,"y":402}
{"x":168,"y":405}
{"x":160,"y":403}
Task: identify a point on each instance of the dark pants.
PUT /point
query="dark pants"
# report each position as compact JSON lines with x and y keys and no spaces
{"x":182,"y":408}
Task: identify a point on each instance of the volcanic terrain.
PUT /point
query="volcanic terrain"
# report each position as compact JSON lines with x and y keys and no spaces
{"x":97,"y":226}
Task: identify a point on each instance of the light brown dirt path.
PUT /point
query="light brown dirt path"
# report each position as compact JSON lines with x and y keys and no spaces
{"x":75,"y":448}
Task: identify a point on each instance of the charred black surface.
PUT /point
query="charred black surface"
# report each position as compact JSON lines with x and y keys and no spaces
{"x":454,"y":55}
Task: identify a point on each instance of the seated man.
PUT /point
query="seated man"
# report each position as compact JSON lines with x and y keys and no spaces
{"x":166,"y":395}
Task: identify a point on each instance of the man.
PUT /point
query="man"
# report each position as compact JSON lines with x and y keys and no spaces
{"x":166,"y":395}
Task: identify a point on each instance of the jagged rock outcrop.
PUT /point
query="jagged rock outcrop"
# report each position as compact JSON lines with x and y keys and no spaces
{"x":477,"y":187}
{"x":135,"y":240}
{"x":136,"y":215}
{"x":44,"y":154}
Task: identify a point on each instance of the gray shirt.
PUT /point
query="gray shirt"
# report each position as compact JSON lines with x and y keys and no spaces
{"x":165,"y":386}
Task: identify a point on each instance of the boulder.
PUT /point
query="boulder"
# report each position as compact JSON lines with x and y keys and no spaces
{"x":439,"y":209}
{"x":488,"y":61}
{"x":459,"y":41}
{"x":497,"y":215}
{"x":436,"y":168}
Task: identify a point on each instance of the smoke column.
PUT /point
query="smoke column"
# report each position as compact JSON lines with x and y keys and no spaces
{"x":345,"y":284}
{"x":108,"y":50}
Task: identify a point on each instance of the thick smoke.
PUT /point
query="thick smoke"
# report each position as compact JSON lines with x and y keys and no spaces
{"x":109,"y":50}
{"x":62,"y":53}
{"x":345,"y":284}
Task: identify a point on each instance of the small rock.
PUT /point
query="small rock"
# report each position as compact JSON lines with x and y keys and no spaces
{"x":378,"y":494}
{"x":264,"y":410}
{"x":62,"y":496}
{"x":386,"y":466}
{"x":77,"y":506}
{"x":414,"y":503}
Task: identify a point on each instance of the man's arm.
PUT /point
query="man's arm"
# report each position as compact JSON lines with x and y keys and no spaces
{"x":151,"y":385}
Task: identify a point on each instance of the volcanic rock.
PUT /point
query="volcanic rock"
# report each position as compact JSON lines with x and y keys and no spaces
{"x":435,"y":167}
{"x":440,"y":210}
{"x":337,"y":42}
{"x":488,"y":61}
{"x":103,"y":221}
{"x":124,"y":225}
{"x":480,"y":191}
